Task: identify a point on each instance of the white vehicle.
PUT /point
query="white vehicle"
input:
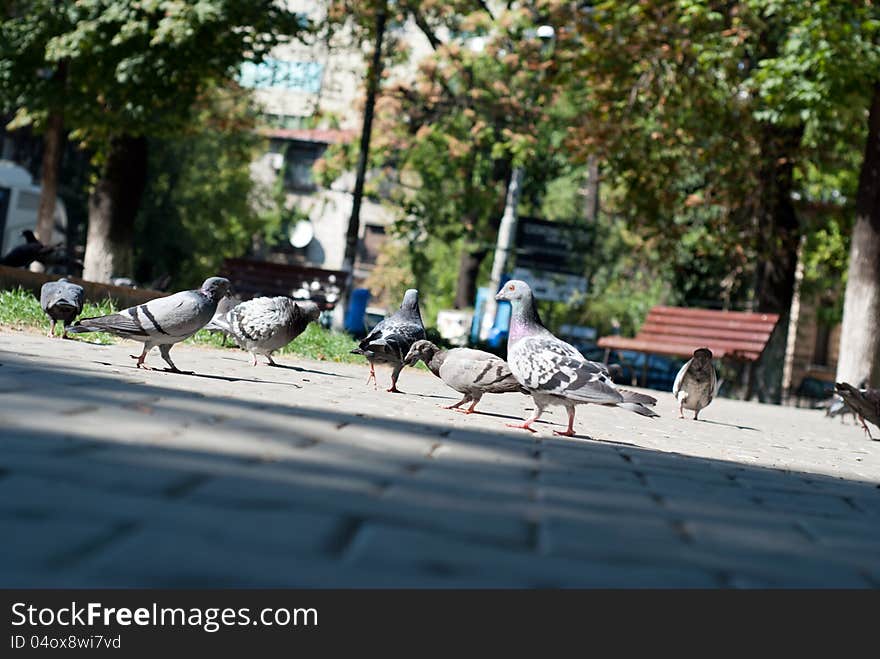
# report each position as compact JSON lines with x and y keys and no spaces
{"x":19,"y":201}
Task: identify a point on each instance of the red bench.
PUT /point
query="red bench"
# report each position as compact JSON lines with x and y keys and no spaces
{"x":678,"y":331}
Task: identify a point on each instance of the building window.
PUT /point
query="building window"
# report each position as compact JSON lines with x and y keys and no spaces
{"x":303,"y":77}
{"x":299,"y":160}
{"x":374,"y":238}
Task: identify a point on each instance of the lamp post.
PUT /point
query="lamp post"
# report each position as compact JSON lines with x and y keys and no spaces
{"x":507,"y":230}
{"x":354,"y":222}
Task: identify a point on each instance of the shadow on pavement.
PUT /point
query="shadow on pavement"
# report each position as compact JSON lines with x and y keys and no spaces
{"x":194,"y":489}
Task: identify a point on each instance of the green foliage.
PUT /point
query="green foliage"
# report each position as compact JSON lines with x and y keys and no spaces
{"x":135,"y":68}
{"x":20,"y":310}
{"x":199,"y":205}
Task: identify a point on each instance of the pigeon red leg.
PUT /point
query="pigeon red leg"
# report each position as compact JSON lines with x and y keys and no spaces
{"x":681,"y":410}
{"x":865,"y":426}
{"x":457,"y":405}
{"x":568,"y":432}
{"x":470,"y":410}
{"x":527,"y":424}
{"x":140,"y":359}
{"x":51,"y":333}
{"x":373,"y":376}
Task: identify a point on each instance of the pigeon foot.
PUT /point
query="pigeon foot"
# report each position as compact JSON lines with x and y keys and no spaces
{"x":521,"y":426}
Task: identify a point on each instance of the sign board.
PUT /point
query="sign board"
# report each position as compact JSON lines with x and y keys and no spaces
{"x":552,"y":246}
{"x":551,"y":257}
{"x":553,"y":286}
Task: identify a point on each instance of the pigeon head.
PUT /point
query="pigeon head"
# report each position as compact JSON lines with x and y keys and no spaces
{"x":310,"y":309}
{"x":703,"y":354}
{"x":410,"y":306}
{"x":216,"y":288}
{"x":524,"y":319}
{"x":424,"y":350}
{"x":515,"y":291}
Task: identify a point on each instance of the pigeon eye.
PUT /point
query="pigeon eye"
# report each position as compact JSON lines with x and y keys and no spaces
{"x":511,"y":287}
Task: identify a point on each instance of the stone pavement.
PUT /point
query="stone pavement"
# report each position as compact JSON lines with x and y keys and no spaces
{"x":304,"y":476}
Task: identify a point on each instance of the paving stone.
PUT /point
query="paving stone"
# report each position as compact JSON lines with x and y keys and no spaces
{"x":305,"y":476}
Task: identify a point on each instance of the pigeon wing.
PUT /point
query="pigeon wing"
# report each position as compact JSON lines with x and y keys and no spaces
{"x":679,"y":379}
{"x":543,"y":364}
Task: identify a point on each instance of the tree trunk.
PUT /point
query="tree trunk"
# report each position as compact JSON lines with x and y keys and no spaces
{"x":860,"y":335}
{"x":113,"y":206}
{"x":52,"y":141}
{"x":592,"y":198}
{"x":780,"y":232}
{"x":468,"y":270}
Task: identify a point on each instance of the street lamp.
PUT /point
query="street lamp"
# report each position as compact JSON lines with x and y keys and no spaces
{"x":507,"y":228}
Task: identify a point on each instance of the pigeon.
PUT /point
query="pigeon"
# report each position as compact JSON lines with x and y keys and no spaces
{"x":864,"y":402}
{"x":470,"y":372}
{"x":61,"y":300}
{"x":264,"y":324}
{"x":162,"y":321}
{"x":32,"y":250}
{"x":694,"y":386}
{"x":391,"y":339}
{"x":553,"y":371}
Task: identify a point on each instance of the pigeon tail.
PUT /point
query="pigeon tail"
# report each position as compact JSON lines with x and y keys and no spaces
{"x":638,"y":408}
{"x":635,"y":397}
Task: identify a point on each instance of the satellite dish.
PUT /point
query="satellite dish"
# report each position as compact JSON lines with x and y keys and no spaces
{"x":301,"y":233}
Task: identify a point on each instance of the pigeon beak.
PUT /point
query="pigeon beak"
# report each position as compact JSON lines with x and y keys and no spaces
{"x":500,"y":296}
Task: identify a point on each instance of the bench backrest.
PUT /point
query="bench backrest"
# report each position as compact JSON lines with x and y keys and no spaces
{"x":734,"y":333}
{"x":254,"y":278}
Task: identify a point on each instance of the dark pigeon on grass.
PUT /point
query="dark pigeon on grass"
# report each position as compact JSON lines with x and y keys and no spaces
{"x":553,"y":371}
{"x":265,"y":324}
{"x":470,"y":372}
{"x":391,"y":339}
{"x":865,"y":403}
{"x":162,"y":322}
{"x":694,"y":386}
{"x":23,"y":255}
{"x":62,"y":301}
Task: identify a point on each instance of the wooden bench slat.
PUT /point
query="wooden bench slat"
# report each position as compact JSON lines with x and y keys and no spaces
{"x":747,"y":316}
{"x":683,"y":350}
{"x":681,"y":337}
{"x":712,"y":332}
{"x":720,"y":322}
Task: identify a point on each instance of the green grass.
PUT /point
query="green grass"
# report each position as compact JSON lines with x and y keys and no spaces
{"x":20,"y":309}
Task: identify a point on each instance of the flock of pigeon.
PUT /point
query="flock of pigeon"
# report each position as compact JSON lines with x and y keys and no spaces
{"x":538,"y":363}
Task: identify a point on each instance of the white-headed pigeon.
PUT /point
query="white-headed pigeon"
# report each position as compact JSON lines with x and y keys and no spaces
{"x":391,"y":339}
{"x":163,"y":321}
{"x":694,"y":386}
{"x":265,"y":324}
{"x":470,"y":372}
{"x":553,"y":371}
{"x":61,"y":300}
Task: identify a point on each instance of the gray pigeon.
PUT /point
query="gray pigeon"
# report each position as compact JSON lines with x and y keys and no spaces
{"x":694,"y":386}
{"x":391,"y":339}
{"x":163,"y":321}
{"x":553,"y":371}
{"x":265,"y":324}
{"x":470,"y":372}
{"x":61,"y":300}
{"x":864,"y":402}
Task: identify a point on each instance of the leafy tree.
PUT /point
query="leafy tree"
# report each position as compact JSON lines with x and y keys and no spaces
{"x":200,"y":204}
{"x":134,"y":70}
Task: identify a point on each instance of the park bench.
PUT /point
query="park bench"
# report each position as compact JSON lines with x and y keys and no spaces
{"x":255,"y":278}
{"x":678,"y":331}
